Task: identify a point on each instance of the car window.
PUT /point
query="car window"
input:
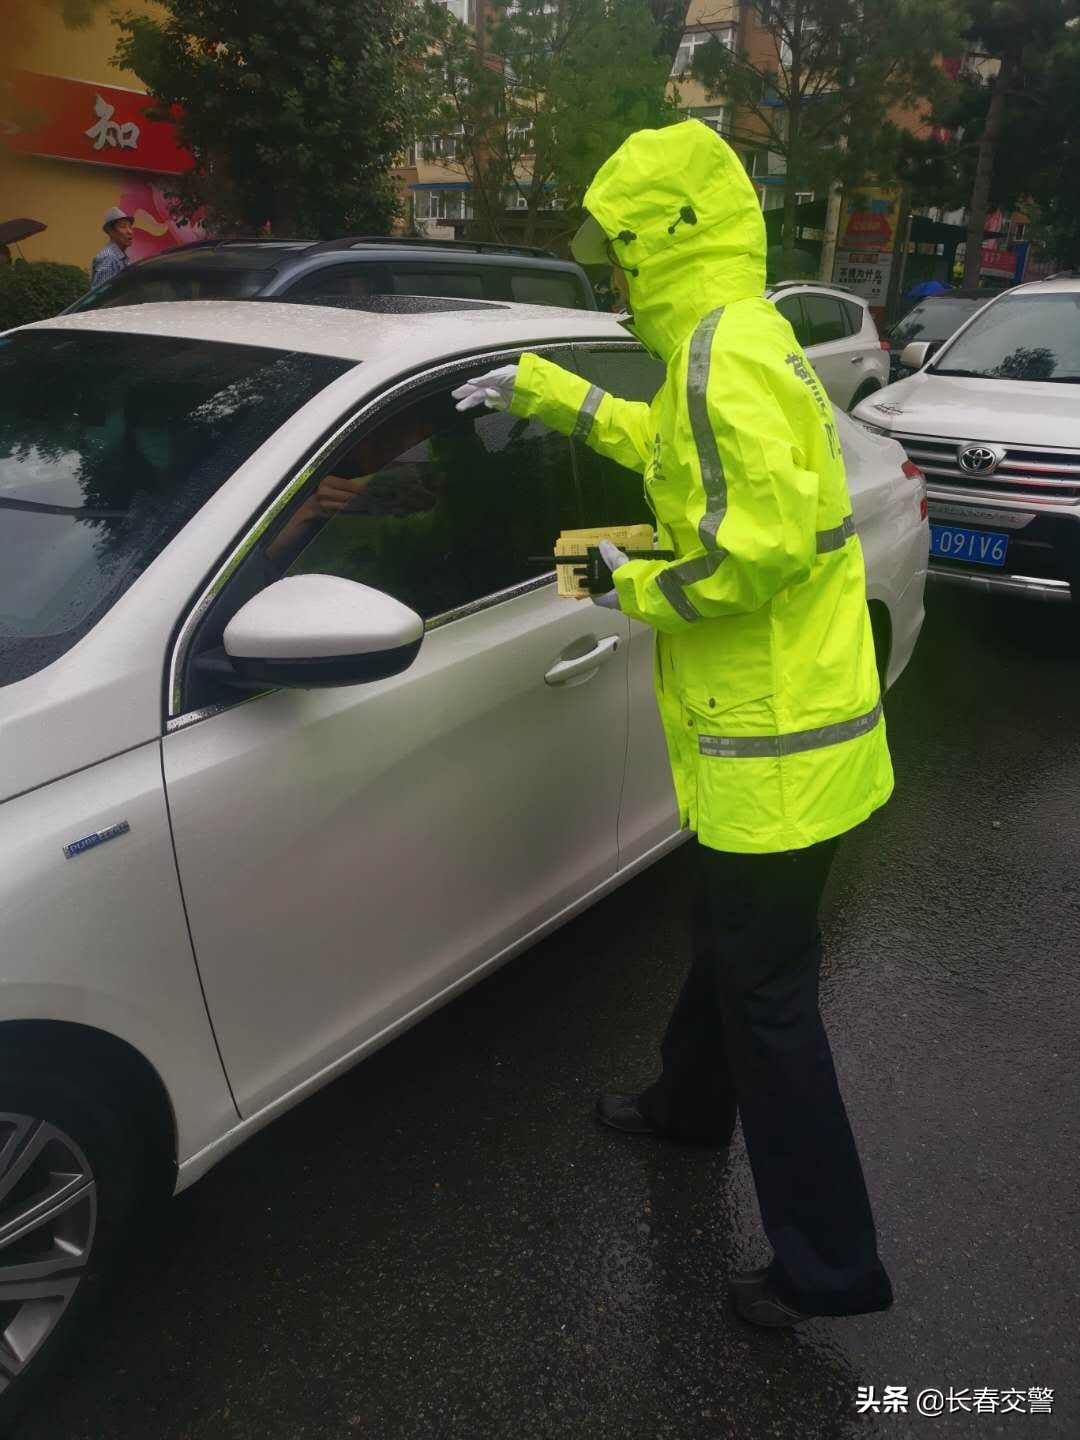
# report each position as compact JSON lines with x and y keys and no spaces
{"x":545,"y":287}
{"x":824,"y":318}
{"x":433,"y":507}
{"x":144,"y":287}
{"x":109,"y":444}
{"x":791,"y":309}
{"x":418,"y":280}
{"x":612,"y":494}
{"x":934,"y":319}
{"x":853,"y":314}
{"x":1021,"y":337}
{"x":344,"y":282}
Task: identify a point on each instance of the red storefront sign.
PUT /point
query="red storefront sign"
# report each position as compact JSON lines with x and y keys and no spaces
{"x":997,"y":262}
{"x":868,"y":230}
{"x":95,"y":124}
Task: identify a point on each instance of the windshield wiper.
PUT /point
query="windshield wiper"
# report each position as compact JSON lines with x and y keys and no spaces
{"x":79,"y":512}
{"x":965,"y":374}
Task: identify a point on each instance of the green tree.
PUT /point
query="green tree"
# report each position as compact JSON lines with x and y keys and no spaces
{"x":295,"y":110}
{"x":1007,"y":126}
{"x":821,"y":99}
{"x":538,"y":101}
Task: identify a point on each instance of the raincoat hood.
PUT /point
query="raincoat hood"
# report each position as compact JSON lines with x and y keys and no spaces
{"x":698,"y":236}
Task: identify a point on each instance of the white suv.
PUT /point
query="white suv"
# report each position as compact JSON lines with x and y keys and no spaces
{"x":994,"y":421}
{"x":838,"y":333}
{"x":297,"y":741}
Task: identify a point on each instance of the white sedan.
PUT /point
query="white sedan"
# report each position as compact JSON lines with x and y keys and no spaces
{"x":292,"y":723}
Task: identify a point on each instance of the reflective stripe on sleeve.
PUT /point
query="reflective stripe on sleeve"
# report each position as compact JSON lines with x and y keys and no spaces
{"x":771,"y":746}
{"x":675,"y":578}
{"x":697,"y":402}
{"x":668,"y":584}
{"x":587,"y":413}
{"x":837,"y":537}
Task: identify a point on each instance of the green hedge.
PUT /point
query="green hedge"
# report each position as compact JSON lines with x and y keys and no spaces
{"x":35,"y":289}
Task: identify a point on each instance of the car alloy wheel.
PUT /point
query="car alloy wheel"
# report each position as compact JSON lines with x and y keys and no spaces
{"x":48,"y":1220}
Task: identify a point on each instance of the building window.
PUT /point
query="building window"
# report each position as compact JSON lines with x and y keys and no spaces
{"x":444,"y":147}
{"x":715,"y":119}
{"x":442,"y":205}
{"x":692,"y":42}
{"x":517,"y":198}
{"x":762,"y":163}
{"x":461,"y":9}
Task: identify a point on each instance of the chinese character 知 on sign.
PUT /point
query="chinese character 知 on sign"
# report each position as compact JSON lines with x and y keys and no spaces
{"x":108,"y":131}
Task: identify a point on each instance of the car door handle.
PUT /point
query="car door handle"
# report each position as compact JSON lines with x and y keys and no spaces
{"x":857,"y":360}
{"x":567,"y":669}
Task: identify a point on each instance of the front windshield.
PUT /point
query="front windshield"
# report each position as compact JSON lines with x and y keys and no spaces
{"x":145,"y":287}
{"x":1021,"y":337}
{"x":935,"y":319}
{"x":109,"y":444}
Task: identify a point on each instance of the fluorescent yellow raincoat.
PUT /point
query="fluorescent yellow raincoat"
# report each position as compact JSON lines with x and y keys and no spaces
{"x":765,"y":670}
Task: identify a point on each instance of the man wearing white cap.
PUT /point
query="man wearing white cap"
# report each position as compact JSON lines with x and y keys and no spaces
{"x":113,"y":260}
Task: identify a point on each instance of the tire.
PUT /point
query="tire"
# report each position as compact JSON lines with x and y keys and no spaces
{"x":881,"y":626}
{"x":72,"y":1140}
{"x":863,"y":393}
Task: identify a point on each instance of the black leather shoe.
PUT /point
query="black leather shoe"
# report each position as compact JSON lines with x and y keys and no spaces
{"x":756,"y":1301}
{"x":747,"y":1279}
{"x":620,"y":1112}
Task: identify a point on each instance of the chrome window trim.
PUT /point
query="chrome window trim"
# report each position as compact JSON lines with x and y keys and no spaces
{"x":176,"y":717}
{"x":614,"y":345}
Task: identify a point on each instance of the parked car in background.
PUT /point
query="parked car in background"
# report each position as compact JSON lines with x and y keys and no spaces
{"x":346,"y":269}
{"x":994,"y":421}
{"x":838,"y":333}
{"x":932,"y":320}
{"x":279,"y":779}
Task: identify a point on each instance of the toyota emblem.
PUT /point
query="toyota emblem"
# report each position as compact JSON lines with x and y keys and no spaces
{"x":979,"y":459}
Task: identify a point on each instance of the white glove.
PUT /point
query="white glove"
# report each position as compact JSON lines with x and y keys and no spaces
{"x":495,"y":390}
{"x":613,"y":557}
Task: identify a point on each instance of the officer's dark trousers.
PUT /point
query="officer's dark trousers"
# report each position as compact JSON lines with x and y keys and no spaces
{"x":746,"y":1037}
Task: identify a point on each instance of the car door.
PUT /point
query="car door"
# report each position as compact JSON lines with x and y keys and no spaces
{"x":349,"y":855}
{"x":649,"y":815}
{"x":838,"y":361}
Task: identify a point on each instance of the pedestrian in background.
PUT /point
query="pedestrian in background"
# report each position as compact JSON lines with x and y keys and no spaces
{"x":113,"y":260}
{"x":766,"y":681}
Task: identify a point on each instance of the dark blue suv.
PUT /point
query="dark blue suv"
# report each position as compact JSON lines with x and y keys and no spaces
{"x":339,"y":271}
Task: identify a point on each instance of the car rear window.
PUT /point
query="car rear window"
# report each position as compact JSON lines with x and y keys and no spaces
{"x":109,"y":444}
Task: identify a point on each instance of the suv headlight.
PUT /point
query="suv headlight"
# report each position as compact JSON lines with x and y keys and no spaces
{"x":870,"y":429}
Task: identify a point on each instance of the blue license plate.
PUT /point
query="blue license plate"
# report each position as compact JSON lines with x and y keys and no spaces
{"x":976,"y":547}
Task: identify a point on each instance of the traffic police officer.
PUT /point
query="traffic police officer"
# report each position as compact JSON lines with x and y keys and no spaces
{"x":766,"y":682}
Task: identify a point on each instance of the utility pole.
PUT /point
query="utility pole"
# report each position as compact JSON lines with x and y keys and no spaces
{"x":832,"y":230}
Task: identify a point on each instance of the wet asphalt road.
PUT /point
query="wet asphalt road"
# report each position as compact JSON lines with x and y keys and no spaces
{"x":442,"y":1246}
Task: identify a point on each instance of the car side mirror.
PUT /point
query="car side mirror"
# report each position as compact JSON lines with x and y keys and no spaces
{"x":310,"y":631}
{"x":915,"y":355}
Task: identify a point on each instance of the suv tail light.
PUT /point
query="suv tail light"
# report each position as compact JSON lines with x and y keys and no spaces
{"x":884,"y":344}
{"x":912,"y":471}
